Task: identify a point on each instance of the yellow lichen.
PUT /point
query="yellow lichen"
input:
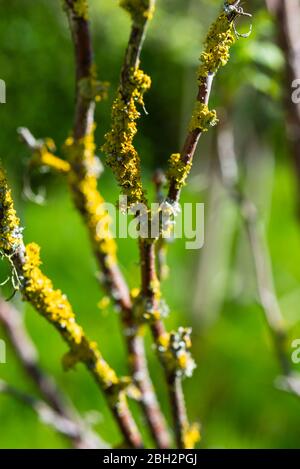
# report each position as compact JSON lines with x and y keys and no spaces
{"x":121,"y":154}
{"x":174,"y":349}
{"x":10,"y":231}
{"x":43,"y":156}
{"x":202,"y":118}
{"x":38,"y":290}
{"x":83,"y":182}
{"x":191,"y":436}
{"x":134,"y":292}
{"x":81,"y":9}
{"x":178,"y":170}
{"x":139,"y":10}
{"x":217,"y":46}
{"x":164,"y":340}
{"x":52,"y":304}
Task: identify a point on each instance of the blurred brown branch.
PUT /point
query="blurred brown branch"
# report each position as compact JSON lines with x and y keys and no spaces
{"x":287,"y":15}
{"x":57,"y":409}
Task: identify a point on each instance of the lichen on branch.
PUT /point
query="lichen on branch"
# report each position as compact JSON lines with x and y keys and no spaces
{"x":79,"y":8}
{"x":52,"y":304}
{"x":178,"y":170}
{"x":122,"y":157}
{"x":174,"y":348}
{"x":43,"y":156}
{"x":38,"y":290}
{"x":217,"y":45}
{"x":83,"y":182}
{"x":10,"y":230}
{"x":203,"y":118}
{"x":139,"y":10}
{"x":191,"y":435}
{"x":216,"y":53}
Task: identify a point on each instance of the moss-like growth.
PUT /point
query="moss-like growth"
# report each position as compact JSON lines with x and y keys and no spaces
{"x":122,"y":157}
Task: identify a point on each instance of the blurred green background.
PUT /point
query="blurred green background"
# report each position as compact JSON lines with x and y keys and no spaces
{"x":232,"y":392}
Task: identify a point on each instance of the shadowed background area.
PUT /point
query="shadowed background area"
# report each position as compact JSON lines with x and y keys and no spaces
{"x":214,"y":289}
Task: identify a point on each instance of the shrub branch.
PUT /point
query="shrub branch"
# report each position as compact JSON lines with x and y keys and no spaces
{"x":37,"y":289}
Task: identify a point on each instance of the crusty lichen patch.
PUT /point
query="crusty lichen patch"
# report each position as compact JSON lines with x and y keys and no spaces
{"x":38,"y":290}
{"x":83,"y":182}
{"x":217,"y":46}
{"x":178,"y":170}
{"x":10,"y":231}
{"x":202,"y":118}
{"x":51,"y":303}
{"x":122,"y":157}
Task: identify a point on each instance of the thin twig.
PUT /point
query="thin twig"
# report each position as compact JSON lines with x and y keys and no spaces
{"x":27,"y":355}
{"x":186,"y":435}
{"x":63,"y":425}
{"x":159,"y":180}
{"x":208,"y":69}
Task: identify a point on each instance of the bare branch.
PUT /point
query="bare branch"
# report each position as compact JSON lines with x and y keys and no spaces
{"x":49,"y":417}
{"x":27,"y":355}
